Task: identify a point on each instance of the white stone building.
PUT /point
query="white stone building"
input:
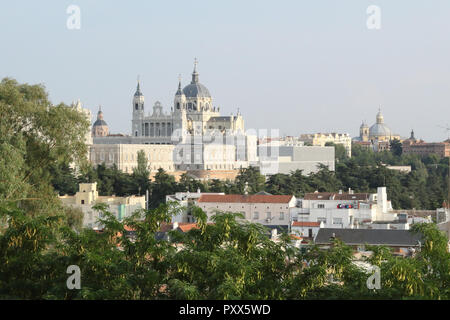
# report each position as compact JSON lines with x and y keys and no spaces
{"x":186,"y":200}
{"x":343,"y":210}
{"x":124,"y":156}
{"x":268,"y":210}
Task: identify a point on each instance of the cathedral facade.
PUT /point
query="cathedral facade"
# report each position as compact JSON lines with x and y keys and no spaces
{"x":203,"y":139}
{"x":192,"y":114}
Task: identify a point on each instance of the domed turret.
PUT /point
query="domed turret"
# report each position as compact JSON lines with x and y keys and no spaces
{"x":364,"y":132}
{"x":100,"y":128}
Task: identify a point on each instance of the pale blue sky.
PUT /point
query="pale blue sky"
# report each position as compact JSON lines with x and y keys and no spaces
{"x":300,"y":66}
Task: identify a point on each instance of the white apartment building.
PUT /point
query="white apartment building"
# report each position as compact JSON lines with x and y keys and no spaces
{"x":268,"y":210}
{"x":87,"y":196}
{"x":343,"y":210}
{"x":186,"y":200}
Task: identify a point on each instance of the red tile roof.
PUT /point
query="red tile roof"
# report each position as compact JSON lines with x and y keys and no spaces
{"x":305,"y":224}
{"x":237,"y":198}
{"x":185,"y":227}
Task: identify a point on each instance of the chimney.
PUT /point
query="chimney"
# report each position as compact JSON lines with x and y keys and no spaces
{"x":382,"y":199}
{"x":274,"y":234}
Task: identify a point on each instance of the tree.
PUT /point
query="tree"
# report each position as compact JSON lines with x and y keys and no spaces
{"x":340,"y":152}
{"x":141,"y":173}
{"x":36,"y":136}
{"x":252,"y":178}
{"x":396,"y":147}
{"x":163,"y":184}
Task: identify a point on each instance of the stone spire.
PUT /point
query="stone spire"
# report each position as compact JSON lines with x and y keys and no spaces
{"x":138,"y":88}
{"x":195,"y":73}
{"x":179,"y":91}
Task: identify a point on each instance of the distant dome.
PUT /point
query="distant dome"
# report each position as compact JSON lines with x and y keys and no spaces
{"x":100,"y":123}
{"x":379,"y":130}
{"x":100,"y":128}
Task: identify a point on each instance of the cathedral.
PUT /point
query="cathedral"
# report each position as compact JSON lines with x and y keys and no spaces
{"x":378,"y":136}
{"x":201,"y":139}
{"x":379,"y":131}
{"x":192,"y":113}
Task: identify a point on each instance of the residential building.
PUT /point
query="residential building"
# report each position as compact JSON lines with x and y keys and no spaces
{"x":422,"y":148}
{"x":87,"y":196}
{"x":404,"y":242}
{"x":268,"y":210}
{"x":305,"y":229}
{"x":186,"y":200}
{"x":321,"y":139}
{"x":343,"y":210}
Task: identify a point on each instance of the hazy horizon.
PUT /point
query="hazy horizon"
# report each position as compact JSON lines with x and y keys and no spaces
{"x":300,"y":67}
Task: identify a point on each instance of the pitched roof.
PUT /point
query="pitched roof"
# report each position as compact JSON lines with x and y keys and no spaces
{"x":336,"y":196}
{"x":397,"y":238}
{"x":185,"y":227}
{"x":237,"y":198}
{"x":305,"y":224}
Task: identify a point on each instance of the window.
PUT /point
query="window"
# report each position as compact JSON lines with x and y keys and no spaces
{"x":82,"y":201}
{"x":269,"y":215}
{"x":256,"y":215}
{"x":322,"y":219}
{"x":337,"y":220}
{"x":321,"y":206}
{"x":136,"y":106}
{"x":281,"y":215}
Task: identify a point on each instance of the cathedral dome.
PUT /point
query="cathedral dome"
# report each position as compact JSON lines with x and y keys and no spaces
{"x":195,"y":88}
{"x":379,"y":129}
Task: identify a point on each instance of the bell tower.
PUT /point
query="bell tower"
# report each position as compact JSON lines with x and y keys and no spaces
{"x":138,"y":111}
{"x":364,"y":132}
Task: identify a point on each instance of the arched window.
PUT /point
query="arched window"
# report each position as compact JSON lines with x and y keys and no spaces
{"x":136,"y":106}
